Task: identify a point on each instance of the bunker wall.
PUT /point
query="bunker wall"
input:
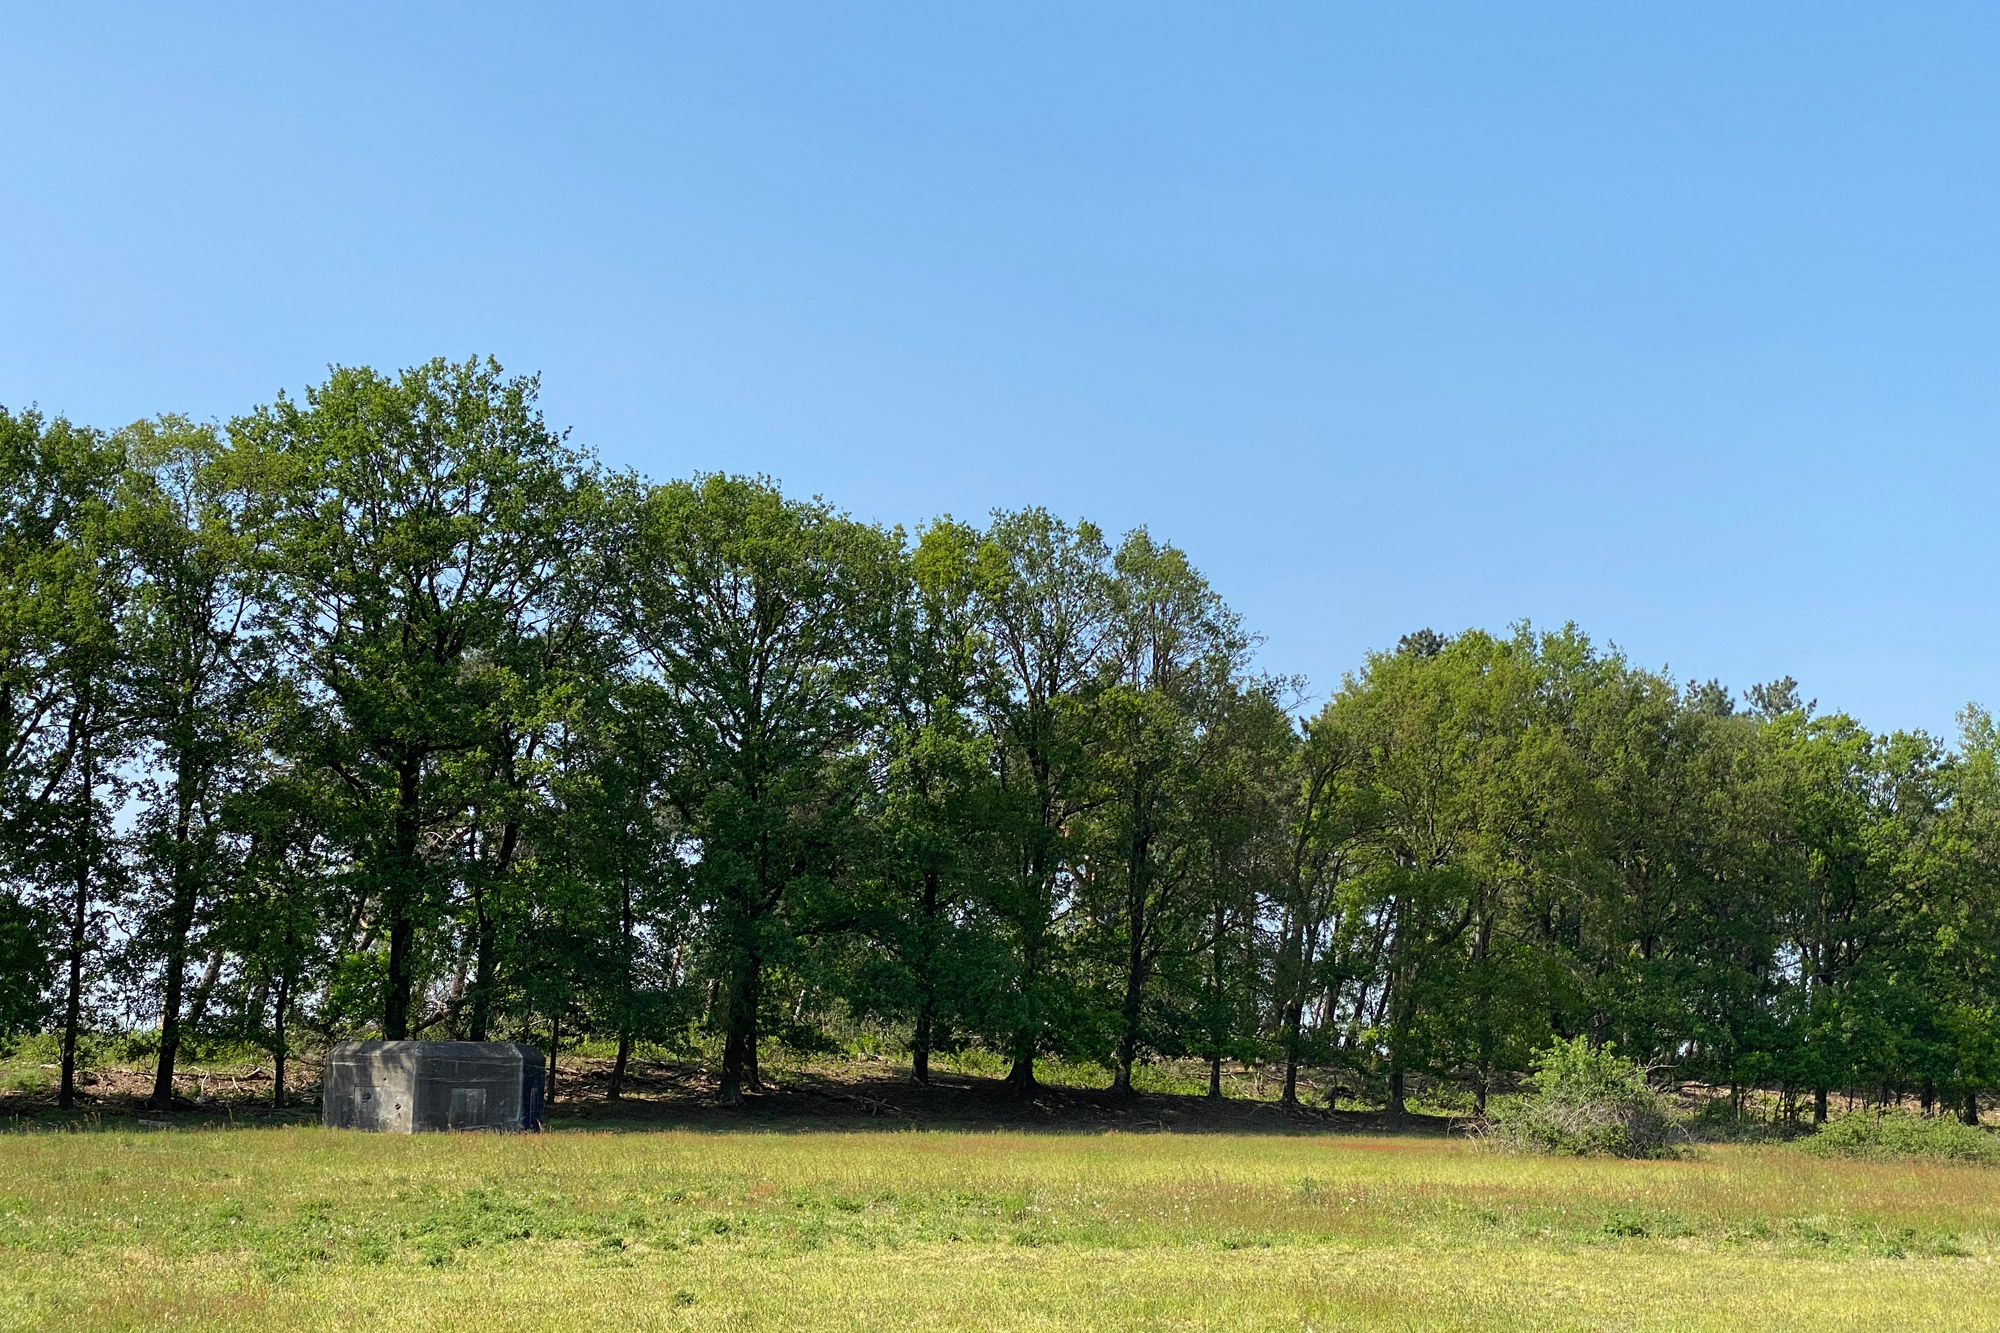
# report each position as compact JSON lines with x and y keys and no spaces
{"x":406,"y":1087}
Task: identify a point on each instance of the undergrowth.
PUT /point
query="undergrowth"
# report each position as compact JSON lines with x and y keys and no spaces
{"x":1895,"y":1137}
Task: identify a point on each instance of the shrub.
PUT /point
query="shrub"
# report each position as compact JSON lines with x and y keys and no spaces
{"x":1586,"y":1100}
{"x":1903,"y":1138}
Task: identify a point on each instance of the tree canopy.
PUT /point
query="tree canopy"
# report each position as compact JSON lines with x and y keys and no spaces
{"x":388,"y":711}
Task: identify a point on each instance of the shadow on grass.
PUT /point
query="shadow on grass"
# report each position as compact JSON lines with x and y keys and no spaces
{"x":667,"y":1097}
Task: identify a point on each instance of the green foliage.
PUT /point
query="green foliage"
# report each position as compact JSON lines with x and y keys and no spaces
{"x":386,"y":710}
{"x":1900,"y":1137}
{"x":414,"y":537}
{"x":763,"y":623}
{"x":27,"y":968}
{"x":1586,"y":1100}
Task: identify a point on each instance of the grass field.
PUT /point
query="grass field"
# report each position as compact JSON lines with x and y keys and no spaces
{"x":295,"y":1227}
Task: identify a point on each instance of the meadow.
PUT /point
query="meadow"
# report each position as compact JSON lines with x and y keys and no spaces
{"x":292,"y":1226}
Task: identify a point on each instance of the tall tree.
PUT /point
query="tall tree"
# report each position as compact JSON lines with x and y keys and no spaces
{"x":49,"y":471}
{"x":1174,"y":667}
{"x":193,"y":671}
{"x":1326,"y":810}
{"x":1045,"y":609}
{"x":1452,"y":760}
{"x":933,"y":847}
{"x":764,"y":622}
{"x":1237,"y":809}
{"x":410,"y":526}
{"x":1956,"y":931}
{"x":1836,"y":894}
{"x":1647,"y":899}
{"x":65,"y":577}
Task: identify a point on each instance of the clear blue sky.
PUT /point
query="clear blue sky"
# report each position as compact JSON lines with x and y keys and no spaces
{"x":1679,"y":321}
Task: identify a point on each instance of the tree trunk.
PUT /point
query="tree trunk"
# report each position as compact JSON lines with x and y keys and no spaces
{"x":399,"y":907}
{"x":181,"y":924}
{"x":920,"y":1040}
{"x":1819,"y":1106}
{"x":1970,"y":1112}
{"x":1027,"y":1035}
{"x":170,"y":1040}
{"x":482,"y":967}
{"x":1294,"y":958}
{"x":920,"y":1043}
{"x":1021,"y":1077}
{"x":278,"y":1042}
{"x":1295,"y":1015}
{"x":73,"y":997}
{"x":485,"y":944}
{"x":198,"y":1006}
{"x":617,"y":1087}
{"x":79,"y":927}
{"x":627,"y":925}
{"x":1482,"y":945}
{"x":1128,"y":1041}
{"x":1217,"y":1034}
{"x":555,"y":1046}
{"x":1136,"y":878}
{"x":396,"y":1008}
{"x":739,"y":1042}
{"x":1396,"y":1101}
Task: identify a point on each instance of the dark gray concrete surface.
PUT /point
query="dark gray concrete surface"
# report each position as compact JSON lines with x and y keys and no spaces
{"x":417,"y":1087}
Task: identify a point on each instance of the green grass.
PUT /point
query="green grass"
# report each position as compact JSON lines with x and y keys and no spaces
{"x":298,"y":1227}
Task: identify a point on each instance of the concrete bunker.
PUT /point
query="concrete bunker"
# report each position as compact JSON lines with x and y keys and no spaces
{"x":422,"y":1087}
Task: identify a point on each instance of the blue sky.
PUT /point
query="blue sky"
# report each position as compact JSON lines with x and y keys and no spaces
{"x":1682,"y":322}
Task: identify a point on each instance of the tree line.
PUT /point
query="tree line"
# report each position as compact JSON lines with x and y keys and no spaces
{"x":386,"y":711}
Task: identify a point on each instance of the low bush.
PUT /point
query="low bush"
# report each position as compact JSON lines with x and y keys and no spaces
{"x":1586,"y":1100}
{"x":1903,"y":1138}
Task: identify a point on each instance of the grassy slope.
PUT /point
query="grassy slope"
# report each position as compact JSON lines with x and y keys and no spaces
{"x":296,"y":1227}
